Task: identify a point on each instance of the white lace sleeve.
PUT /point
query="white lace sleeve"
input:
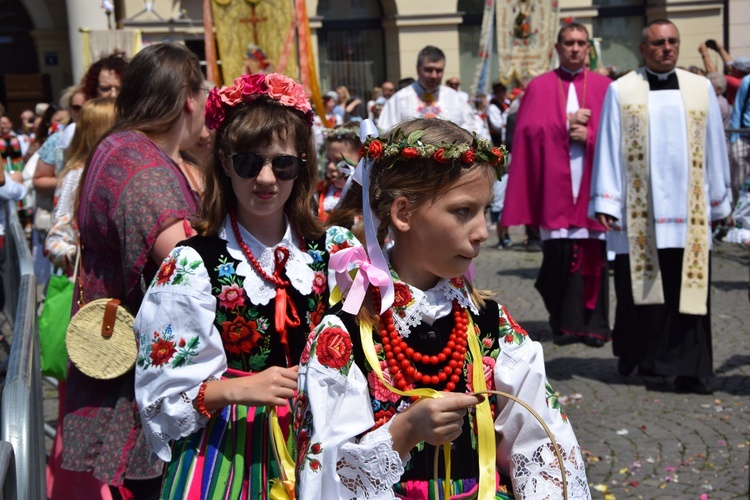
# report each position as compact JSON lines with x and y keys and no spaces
{"x":178,"y":348}
{"x":371,"y":467}
{"x":525,"y":453}
{"x":339,"y":457}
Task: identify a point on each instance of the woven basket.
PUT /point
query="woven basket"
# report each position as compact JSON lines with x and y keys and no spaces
{"x":99,"y":350}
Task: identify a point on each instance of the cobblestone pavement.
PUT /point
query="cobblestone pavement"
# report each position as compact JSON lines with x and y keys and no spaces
{"x":640,"y":438}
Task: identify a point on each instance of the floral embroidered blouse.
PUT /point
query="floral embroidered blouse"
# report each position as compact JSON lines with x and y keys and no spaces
{"x":208,"y":310}
{"x":343,"y":412}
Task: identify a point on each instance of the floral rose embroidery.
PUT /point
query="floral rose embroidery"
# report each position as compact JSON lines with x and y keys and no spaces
{"x":305,"y":357}
{"x":162,"y":351}
{"x":382,"y":417}
{"x":488,"y":365}
{"x":303,"y":443}
{"x":239,"y":335}
{"x":166,"y":271}
{"x":300,"y":408}
{"x":378,"y":390}
{"x":334,"y":347}
{"x":231,"y":296}
{"x":516,"y":327}
{"x":401,"y":295}
{"x":317,"y":315}
{"x":319,"y":282}
{"x":340,"y":246}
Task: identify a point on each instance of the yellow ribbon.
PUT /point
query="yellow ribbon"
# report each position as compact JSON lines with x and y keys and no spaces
{"x":281,"y":489}
{"x":485,"y":425}
{"x":365,"y":332}
{"x":485,"y":428}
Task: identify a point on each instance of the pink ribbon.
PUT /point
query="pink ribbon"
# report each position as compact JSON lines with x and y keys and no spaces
{"x":367,"y":273}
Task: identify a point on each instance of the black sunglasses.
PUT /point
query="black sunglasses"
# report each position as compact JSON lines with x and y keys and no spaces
{"x":249,"y":165}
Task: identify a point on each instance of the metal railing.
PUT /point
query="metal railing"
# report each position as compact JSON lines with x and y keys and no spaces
{"x":739,"y":158}
{"x":8,"y":478}
{"x":22,"y":469}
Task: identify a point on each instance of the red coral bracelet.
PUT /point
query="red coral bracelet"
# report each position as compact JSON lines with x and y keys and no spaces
{"x":202,"y":400}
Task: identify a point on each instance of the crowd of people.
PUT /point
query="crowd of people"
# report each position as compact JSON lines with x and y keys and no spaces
{"x":299,"y":332}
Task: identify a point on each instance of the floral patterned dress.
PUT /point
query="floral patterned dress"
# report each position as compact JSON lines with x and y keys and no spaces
{"x":208,"y":314}
{"x":343,"y":411}
{"x":132,"y":189}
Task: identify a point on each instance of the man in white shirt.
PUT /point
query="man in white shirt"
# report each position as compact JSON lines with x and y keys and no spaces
{"x":428,"y":98}
{"x":661,"y":175}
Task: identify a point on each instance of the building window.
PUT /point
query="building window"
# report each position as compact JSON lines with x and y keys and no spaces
{"x":351,"y":46}
{"x":619,"y":26}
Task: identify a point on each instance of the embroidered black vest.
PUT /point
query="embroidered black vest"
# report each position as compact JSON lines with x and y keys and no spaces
{"x":430,"y":339}
{"x":248,"y":334}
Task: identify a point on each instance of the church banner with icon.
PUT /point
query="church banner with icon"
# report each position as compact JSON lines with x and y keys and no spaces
{"x":255,"y":36}
{"x":526,"y":31}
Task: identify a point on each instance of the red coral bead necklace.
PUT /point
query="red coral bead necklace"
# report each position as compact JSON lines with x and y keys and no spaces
{"x":403,"y":360}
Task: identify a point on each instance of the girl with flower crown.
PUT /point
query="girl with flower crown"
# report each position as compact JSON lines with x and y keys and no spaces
{"x":400,"y":367}
{"x":342,"y":154}
{"x":225,"y":320}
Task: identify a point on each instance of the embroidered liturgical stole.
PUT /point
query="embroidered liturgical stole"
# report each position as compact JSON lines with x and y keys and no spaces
{"x":644,"y":262}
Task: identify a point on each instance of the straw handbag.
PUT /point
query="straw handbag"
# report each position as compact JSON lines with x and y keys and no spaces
{"x":100,"y":338}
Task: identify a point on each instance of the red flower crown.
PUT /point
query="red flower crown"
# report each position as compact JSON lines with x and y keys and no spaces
{"x":247,"y":88}
{"x":400,"y":148}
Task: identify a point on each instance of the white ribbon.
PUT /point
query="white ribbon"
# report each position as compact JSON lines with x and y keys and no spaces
{"x":361,"y":176}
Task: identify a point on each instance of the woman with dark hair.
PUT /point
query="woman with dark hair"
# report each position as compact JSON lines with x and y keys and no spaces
{"x":103,"y":78}
{"x":133,"y":206}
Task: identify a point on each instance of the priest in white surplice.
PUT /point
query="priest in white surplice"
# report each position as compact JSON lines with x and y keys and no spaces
{"x":661,"y":175}
{"x":427,"y":98}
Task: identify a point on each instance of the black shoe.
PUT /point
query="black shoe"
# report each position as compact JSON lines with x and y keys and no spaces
{"x":534,"y":246}
{"x":625,"y":368}
{"x":595,"y":341}
{"x":564,"y":339}
{"x":696,"y":385}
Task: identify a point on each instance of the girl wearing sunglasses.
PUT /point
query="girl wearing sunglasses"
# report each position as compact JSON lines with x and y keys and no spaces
{"x":225,"y":320}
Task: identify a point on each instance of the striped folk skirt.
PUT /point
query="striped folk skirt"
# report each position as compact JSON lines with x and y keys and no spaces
{"x":231,"y":458}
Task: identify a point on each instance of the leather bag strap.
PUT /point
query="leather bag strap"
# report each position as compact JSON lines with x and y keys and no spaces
{"x":110,"y":315}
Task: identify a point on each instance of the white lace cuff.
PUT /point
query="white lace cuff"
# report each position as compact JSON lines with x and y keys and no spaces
{"x":167,"y":422}
{"x":538,"y":476}
{"x":370,"y":468}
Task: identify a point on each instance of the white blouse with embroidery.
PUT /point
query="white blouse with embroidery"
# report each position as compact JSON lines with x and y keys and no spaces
{"x":180,"y":309}
{"x":349,"y":462}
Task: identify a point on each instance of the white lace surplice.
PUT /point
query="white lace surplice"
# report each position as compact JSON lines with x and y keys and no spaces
{"x":349,"y":467}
